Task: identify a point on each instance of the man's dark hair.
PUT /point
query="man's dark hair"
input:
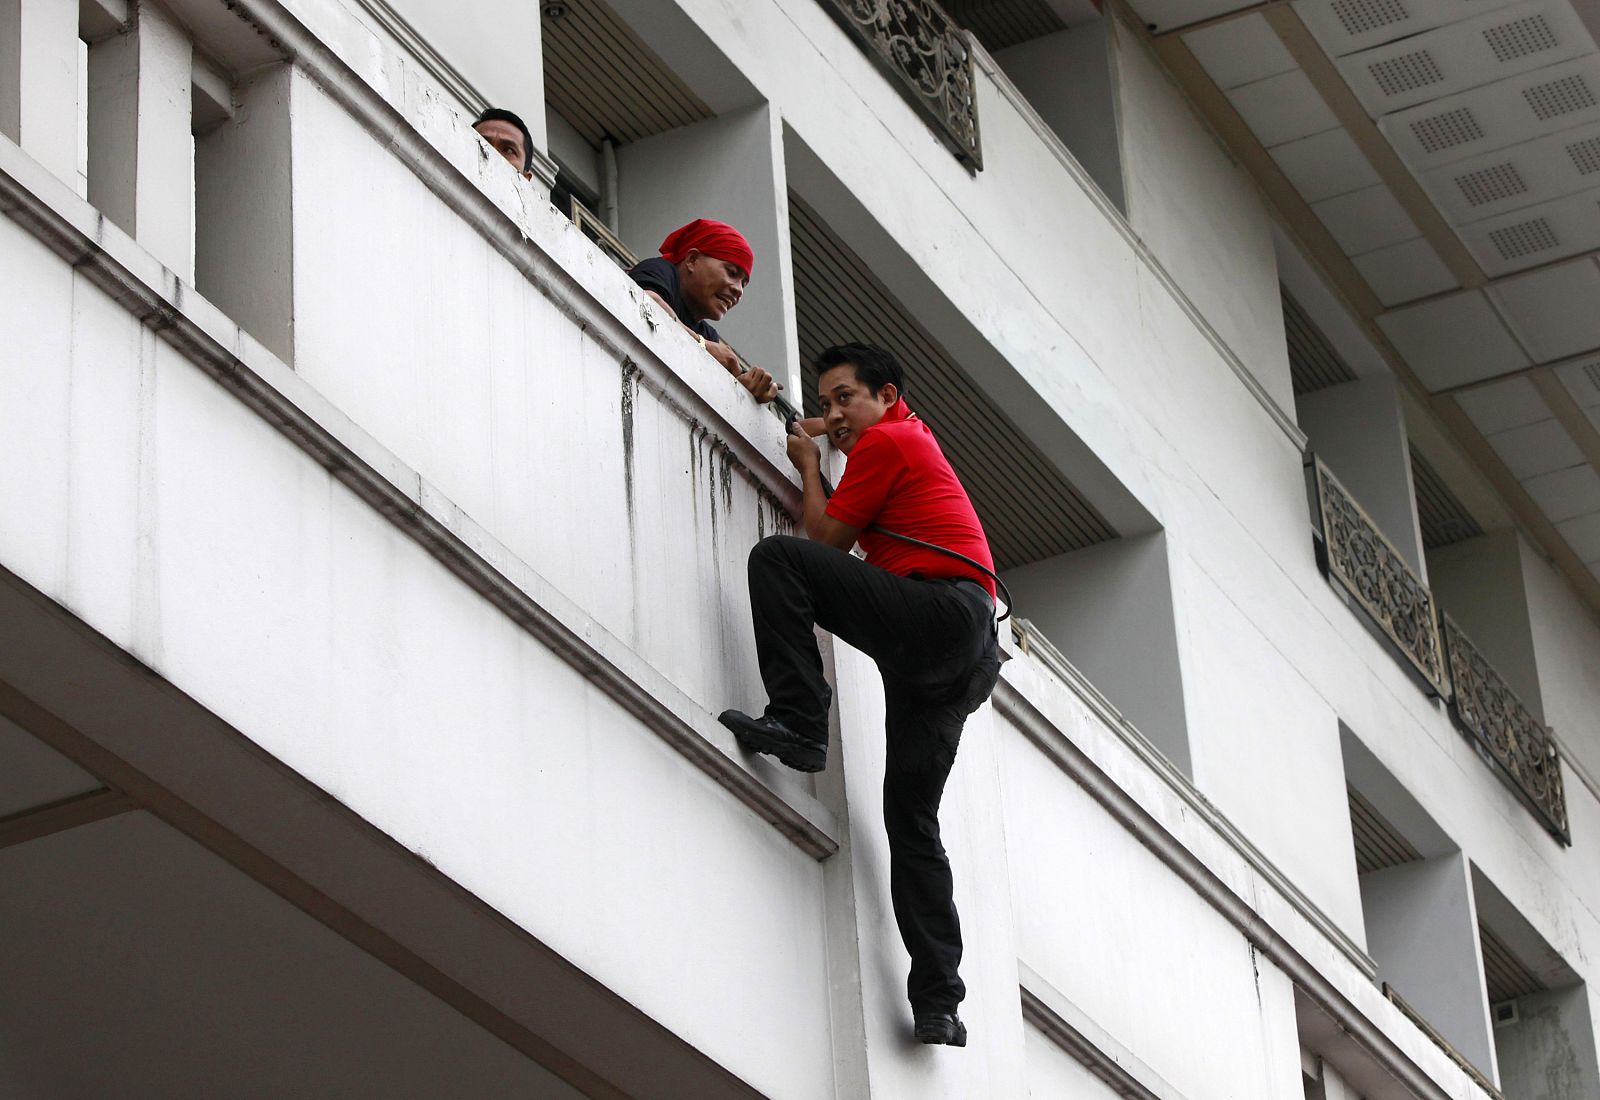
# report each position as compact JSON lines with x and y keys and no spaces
{"x":875,"y":367}
{"x":497,"y":114}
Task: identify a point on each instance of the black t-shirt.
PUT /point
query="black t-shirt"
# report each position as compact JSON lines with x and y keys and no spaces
{"x":661,"y":275}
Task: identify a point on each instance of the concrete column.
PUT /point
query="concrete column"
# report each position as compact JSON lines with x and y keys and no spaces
{"x":1422,"y":929}
{"x":1549,"y":1053}
{"x":730,"y":168}
{"x":1358,"y":429}
{"x":1067,"y":79}
{"x":1108,"y":608}
{"x":1479,"y":585}
{"x":141,"y":151}
{"x":867,"y":962}
{"x":39,"y":81}
{"x":243,"y":238}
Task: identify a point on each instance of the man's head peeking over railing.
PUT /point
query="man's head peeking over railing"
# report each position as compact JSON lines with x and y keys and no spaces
{"x":507,"y":135}
{"x":701,"y":274}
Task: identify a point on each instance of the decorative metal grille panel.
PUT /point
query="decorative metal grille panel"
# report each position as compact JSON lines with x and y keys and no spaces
{"x":1488,"y":710}
{"x":1367,"y":565}
{"x":928,"y":55}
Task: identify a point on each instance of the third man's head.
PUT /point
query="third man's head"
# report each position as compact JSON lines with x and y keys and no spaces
{"x":507,"y":135}
{"x":856,"y":384}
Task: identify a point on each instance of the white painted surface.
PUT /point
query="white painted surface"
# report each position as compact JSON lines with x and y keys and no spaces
{"x":1359,"y":430}
{"x":39,"y":81}
{"x":1479,"y":583}
{"x":1569,"y":678}
{"x":1067,"y":77}
{"x":1194,"y":207}
{"x":1053,"y":1073}
{"x":1423,"y":930}
{"x":1547,"y":1054}
{"x":1108,"y":608}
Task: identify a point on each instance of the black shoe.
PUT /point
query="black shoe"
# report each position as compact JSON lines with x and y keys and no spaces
{"x":771,"y":736}
{"x":941,"y":1027}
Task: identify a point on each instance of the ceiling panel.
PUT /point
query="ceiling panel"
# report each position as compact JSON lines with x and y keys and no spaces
{"x":1566,"y":494}
{"x":1582,"y":379}
{"x":1536,"y":234}
{"x":1523,"y":175}
{"x":1324,"y":165}
{"x":1366,"y":220}
{"x":1583,"y":535}
{"x":1508,"y":404}
{"x":1463,"y":55}
{"x":1347,"y":26}
{"x":1453,"y":341}
{"x":1170,"y":15}
{"x":1556,"y":311}
{"x":1535,"y":449}
{"x":32,"y":774}
{"x":1240,"y":51}
{"x":1282,"y":108}
{"x":1405,"y":272}
{"x":1497,"y":115}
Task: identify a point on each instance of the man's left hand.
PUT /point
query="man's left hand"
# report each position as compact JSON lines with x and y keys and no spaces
{"x":803,"y":450}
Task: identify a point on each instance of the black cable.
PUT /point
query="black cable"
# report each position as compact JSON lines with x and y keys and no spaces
{"x":791,"y":415}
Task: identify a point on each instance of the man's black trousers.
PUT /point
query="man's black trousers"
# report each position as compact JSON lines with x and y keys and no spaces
{"x":935,"y":645}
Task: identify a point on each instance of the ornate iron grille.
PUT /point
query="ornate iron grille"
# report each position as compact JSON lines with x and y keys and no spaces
{"x":1367,"y":565}
{"x":929,"y":58}
{"x":1489,"y":712}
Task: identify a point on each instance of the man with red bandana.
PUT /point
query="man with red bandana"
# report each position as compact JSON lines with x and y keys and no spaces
{"x":925,"y":617}
{"x":701,"y":274}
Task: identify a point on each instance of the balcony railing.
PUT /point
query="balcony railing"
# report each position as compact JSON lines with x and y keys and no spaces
{"x":1485,"y":708}
{"x":1357,"y":556}
{"x":1368,"y":566}
{"x":927,"y":55}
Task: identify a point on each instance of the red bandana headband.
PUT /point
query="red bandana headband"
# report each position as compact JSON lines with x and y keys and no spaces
{"x":716,"y":239}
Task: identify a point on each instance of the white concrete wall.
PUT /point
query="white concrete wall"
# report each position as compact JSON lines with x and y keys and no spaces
{"x":1108,"y":608}
{"x":1423,"y":930}
{"x":731,"y":169}
{"x":1067,"y":78}
{"x":1358,"y":429}
{"x":1549,"y":1053}
{"x":1566,"y":637}
{"x":1200,"y":213}
{"x":1479,"y":584}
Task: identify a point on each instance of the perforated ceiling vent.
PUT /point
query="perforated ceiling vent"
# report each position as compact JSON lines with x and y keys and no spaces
{"x":1586,"y":155}
{"x":1560,"y":97}
{"x":1361,"y":16}
{"x":1405,"y":73}
{"x":1524,"y":238}
{"x":1435,"y":133}
{"x":1520,"y":37}
{"x":1486,"y":185}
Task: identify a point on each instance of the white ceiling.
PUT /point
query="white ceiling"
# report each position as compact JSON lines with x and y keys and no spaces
{"x":1493,"y":106}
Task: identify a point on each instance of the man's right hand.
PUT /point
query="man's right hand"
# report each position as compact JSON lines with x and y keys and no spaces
{"x":760,"y":384}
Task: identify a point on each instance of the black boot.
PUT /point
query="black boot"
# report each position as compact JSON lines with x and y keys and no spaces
{"x":944,"y":1028}
{"x":768,"y":735}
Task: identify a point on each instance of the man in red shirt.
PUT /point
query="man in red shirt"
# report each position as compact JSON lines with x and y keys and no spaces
{"x":926,"y":618}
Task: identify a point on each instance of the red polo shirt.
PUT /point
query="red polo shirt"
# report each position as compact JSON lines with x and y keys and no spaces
{"x":898,"y":479}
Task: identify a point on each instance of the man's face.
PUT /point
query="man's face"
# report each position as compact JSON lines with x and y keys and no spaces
{"x":505,"y":139}
{"x":848,"y":406}
{"x":710,"y":287}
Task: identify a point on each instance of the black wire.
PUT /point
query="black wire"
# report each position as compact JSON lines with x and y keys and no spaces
{"x":790,"y":416}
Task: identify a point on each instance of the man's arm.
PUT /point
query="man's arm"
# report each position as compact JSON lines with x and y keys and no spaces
{"x":820,"y":527}
{"x":758,"y":381}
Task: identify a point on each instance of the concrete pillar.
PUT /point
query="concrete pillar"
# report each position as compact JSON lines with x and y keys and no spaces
{"x":1549,"y":1052}
{"x":1108,"y":609}
{"x":39,"y":81}
{"x":1067,"y":79}
{"x":1479,"y":585}
{"x":243,"y":239}
{"x":141,"y":151}
{"x":730,"y":168}
{"x":1422,"y":929}
{"x":1359,"y":431}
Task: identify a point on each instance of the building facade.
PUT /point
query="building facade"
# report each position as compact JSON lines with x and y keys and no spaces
{"x":373,"y":550}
